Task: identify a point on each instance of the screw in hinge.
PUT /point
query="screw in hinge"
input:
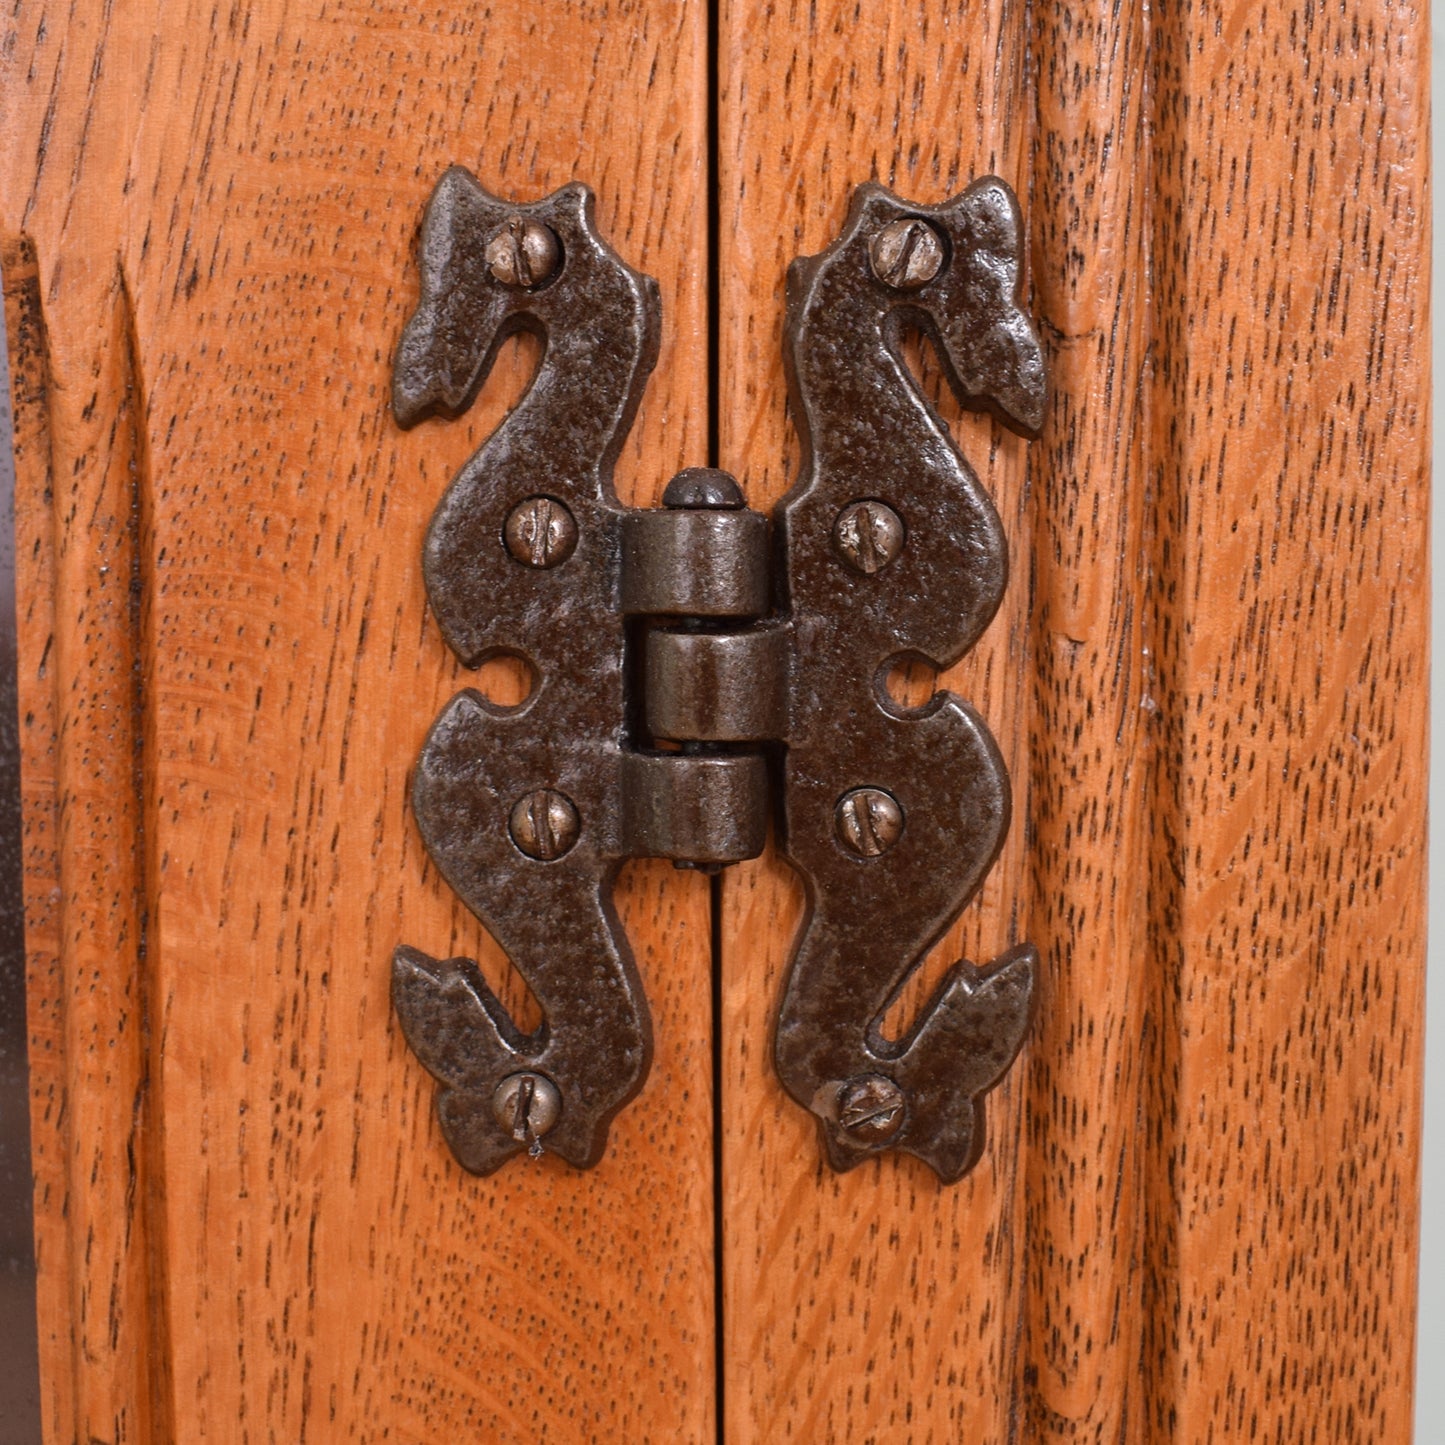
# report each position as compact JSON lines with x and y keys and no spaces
{"x":907,"y":254}
{"x":527,"y":1106}
{"x":544,"y":824}
{"x":540,"y":532}
{"x":870,"y":1108}
{"x":869,"y":821}
{"x":523,"y":253}
{"x":868,"y":536}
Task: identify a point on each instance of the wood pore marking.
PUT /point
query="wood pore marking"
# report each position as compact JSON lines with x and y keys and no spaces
{"x":1288,"y":485}
{"x":1091,"y":744}
{"x":257,"y":178}
{"x":1218,"y":759}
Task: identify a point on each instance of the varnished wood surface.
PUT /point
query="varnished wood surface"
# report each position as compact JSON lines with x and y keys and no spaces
{"x":1288,"y":431}
{"x":250,"y":1227}
{"x":1196,"y":1215}
{"x":1093,"y":718}
{"x":1196,"y":1218}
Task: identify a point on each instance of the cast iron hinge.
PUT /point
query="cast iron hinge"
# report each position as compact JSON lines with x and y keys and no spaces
{"x":695,"y":662}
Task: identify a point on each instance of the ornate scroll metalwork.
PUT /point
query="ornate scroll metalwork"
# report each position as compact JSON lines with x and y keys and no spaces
{"x":598,"y":320}
{"x":888,"y":548}
{"x":894,"y":817}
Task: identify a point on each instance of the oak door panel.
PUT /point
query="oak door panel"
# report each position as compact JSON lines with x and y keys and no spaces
{"x":1289,"y":480}
{"x":250,"y":1227}
{"x":1196,"y":1215}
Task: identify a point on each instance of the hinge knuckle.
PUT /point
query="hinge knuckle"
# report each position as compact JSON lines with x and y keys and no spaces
{"x":717,"y":687}
{"x":688,"y":569}
{"x":694,"y":564}
{"x":694,"y":808}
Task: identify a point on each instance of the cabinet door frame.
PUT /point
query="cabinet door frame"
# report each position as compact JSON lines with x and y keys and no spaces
{"x":1198,"y":1210}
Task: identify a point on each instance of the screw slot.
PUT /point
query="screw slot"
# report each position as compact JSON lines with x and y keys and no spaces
{"x":527,"y":1106}
{"x":868,"y":821}
{"x":868,"y":536}
{"x":540,"y":532}
{"x":544,"y":824}
{"x":870,"y":1109}
{"x":907,"y":254}
{"x":523,"y":253}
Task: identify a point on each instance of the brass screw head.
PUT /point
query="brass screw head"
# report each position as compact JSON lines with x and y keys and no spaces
{"x":523,"y":253}
{"x":869,"y":821}
{"x":907,"y":254}
{"x":868,"y":536}
{"x":544,"y":824}
{"x":540,"y":532}
{"x":526,"y":1106}
{"x":870,"y":1109}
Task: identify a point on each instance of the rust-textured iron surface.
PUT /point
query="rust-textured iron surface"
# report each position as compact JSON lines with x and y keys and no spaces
{"x":598,"y":320}
{"x":894,"y":816}
{"x":888,"y":549}
{"x":528,"y":810}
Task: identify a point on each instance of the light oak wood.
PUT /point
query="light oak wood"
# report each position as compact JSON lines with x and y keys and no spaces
{"x":1196,"y":1217}
{"x":1093,"y":750}
{"x":250,"y":1227}
{"x":1288,"y":477}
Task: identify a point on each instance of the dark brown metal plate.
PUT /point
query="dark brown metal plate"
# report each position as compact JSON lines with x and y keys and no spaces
{"x":599,"y":323}
{"x":862,"y":593}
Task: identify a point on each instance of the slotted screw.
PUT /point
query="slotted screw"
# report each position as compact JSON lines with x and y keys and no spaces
{"x":540,"y":532}
{"x":526,"y":1106}
{"x":869,"y":821}
{"x":907,"y":254}
{"x":868,"y":536}
{"x":870,"y":1109}
{"x":523,"y":253}
{"x":544,"y":824}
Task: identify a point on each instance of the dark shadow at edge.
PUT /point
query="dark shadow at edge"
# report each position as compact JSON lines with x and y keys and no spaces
{"x":19,"y":1331}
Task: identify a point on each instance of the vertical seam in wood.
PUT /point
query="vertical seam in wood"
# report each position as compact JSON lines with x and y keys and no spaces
{"x":712,"y":166}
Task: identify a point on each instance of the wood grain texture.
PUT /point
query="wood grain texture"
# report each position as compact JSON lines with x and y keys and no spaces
{"x":1092,"y":748}
{"x":1197,"y":1216}
{"x":876,"y":1305}
{"x":78,"y":528}
{"x":269,"y":1240}
{"x":1288,"y":438}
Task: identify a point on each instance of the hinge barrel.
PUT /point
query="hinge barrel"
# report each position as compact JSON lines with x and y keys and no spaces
{"x":720,"y":687}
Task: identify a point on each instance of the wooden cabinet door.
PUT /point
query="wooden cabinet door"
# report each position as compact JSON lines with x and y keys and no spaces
{"x":1196,"y":1214}
{"x":249,"y":1228}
